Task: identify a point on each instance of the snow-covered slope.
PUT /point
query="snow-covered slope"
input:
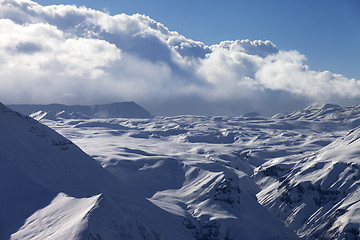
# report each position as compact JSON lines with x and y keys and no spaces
{"x":55,"y":111}
{"x":38,"y":167}
{"x":319,"y":194}
{"x":330,"y":115}
{"x":184,"y":177}
{"x":36,"y":164}
{"x":90,"y":218}
{"x":68,"y":217}
{"x":51,"y":189}
{"x":212,"y":172}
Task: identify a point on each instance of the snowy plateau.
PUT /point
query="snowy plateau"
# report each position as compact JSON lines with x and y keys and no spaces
{"x":70,"y":174}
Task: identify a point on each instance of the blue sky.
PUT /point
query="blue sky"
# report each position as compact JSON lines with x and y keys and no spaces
{"x":81,"y":56}
{"x":327,"y":32}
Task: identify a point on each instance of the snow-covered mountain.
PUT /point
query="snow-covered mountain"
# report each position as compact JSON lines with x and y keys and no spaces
{"x":184,"y":177}
{"x":55,"y":111}
{"x":316,"y":194}
{"x":183,"y":162}
{"x":51,"y":189}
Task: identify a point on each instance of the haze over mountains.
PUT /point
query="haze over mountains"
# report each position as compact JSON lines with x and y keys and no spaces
{"x":184,"y":177}
{"x":77,"y":55}
{"x":113,"y":110}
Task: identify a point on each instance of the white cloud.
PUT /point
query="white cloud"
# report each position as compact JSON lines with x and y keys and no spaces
{"x":286,"y":71}
{"x":78,"y":55}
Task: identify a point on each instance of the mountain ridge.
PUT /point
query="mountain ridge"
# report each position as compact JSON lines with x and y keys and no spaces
{"x":53,"y":111}
{"x":47,"y":179}
{"x":38,"y":164}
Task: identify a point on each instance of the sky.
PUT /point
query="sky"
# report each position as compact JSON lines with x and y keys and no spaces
{"x":311,"y":27}
{"x":195,"y":57}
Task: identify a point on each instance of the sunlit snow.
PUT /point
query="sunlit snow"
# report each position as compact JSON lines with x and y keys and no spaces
{"x":214,"y":172}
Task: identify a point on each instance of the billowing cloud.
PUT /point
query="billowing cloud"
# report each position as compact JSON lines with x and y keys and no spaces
{"x":76,"y":55}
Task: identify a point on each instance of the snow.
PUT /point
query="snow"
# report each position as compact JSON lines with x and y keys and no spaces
{"x":64,"y":218}
{"x":36,"y":164}
{"x":187,"y":177}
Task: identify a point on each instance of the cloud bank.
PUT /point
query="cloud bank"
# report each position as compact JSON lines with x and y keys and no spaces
{"x":75,"y":55}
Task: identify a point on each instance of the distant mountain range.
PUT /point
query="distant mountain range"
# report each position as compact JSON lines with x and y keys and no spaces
{"x":53,"y":111}
{"x":185,"y":177}
{"x":51,"y":189}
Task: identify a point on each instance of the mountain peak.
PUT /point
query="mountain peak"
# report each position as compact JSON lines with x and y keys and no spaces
{"x":58,"y":111}
{"x":331,"y":106}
